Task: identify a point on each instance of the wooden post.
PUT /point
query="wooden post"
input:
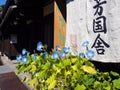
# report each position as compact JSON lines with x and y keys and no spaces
{"x":59,"y":23}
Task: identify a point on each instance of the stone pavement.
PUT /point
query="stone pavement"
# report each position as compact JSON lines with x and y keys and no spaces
{"x":10,"y":66}
{"x":5,"y":69}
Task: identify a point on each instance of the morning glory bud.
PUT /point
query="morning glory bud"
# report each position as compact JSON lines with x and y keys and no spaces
{"x":24,"y":51}
{"x":39,"y":46}
{"x":34,"y":57}
{"x":57,"y":48}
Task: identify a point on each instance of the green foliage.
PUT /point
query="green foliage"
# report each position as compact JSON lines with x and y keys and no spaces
{"x":68,"y":73}
{"x":80,"y":87}
{"x":116,"y":83}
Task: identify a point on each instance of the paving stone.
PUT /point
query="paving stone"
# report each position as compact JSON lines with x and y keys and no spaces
{"x":10,"y":66}
{"x":9,"y":81}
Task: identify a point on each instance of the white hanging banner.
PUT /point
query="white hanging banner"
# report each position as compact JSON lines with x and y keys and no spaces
{"x":98,"y":22}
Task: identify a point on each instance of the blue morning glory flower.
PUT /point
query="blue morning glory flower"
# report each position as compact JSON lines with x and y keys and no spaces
{"x":66,"y":49}
{"x":57,"y":48}
{"x":55,"y":56}
{"x":62,"y":55}
{"x":90,"y":54}
{"x":24,"y":59}
{"x":18,"y":57}
{"x":34,"y":57}
{"x":82,"y":55}
{"x":45,"y":54}
{"x":24,"y":51}
{"x":39,"y":46}
{"x":85,"y":44}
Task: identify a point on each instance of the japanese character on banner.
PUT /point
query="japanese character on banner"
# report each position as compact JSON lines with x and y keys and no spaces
{"x":99,"y":24}
{"x":98,"y":7}
{"x":100,"y":45}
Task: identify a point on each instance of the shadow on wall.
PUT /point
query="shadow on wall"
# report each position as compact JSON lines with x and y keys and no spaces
{"x":68,"y":1}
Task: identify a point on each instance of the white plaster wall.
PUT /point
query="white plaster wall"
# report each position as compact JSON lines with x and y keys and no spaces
{"x":80,"y":15}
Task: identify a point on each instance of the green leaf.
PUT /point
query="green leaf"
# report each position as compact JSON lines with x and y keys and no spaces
{"x":33,"y":70}
{"x":66,"y":62}
{"x":67,"y":73}
{"x":89,"y":69}
{"x":116,"y":83}
{"x":20,"y":69}
{"x":88,"y":80}
{"x":19,"y":65}
{"x":96,"y":84}
{"x":28,"y":68}
{"x":42,"y":74}
{"x":46,"y":66}
{"x":106,"y":85}
{"x":52,"y":85}
{"x":80,"y":87}
{"x":88,"y":63}
{"x":74,"y":60}
{"x":50,"y":79}
{"x":32,"y":63}
{"x":114,"y":73}
{"x":107,"y":88}
{"x":33,"y":81}
{"x":74,"y":67}
{"x":60,"y":65}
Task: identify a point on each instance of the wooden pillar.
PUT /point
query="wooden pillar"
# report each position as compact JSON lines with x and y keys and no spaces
{"x":59,"y":23}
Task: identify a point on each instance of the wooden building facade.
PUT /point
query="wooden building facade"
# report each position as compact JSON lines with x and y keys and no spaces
{"x":25,"y":22}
